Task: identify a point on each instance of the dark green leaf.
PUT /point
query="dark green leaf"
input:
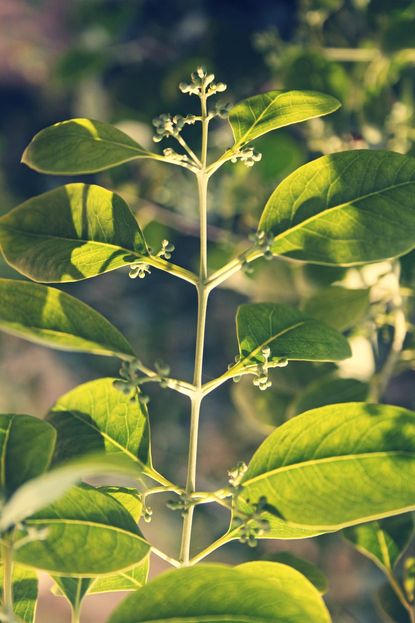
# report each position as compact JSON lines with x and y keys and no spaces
{"x":329,"y":390}
{"x":339,"y":307}
{"x":80,"y":146}
{"x":26,"y":448}
{"x":253,"y":593}
{"x":390,"y":607}
{"x":289,"y":333}
{"x":262,"y":113}
{"x":347,"y":208}
{"x":383,"y":541}
{"x":71,"y":233}
{"x":56,"y":319}
{"x":333,"y":467}
{"x":88,"y":533}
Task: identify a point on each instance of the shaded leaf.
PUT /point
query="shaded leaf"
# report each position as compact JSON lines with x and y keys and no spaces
{"x":269,"y":111}
{"x":333,"y":467}
{"x":212,"y":594}
{"x":289,"y":333}
{"x":26,"y":448}
{"x":383,"y":541}
{"x":56,"y":319}
{"x":80,"y":146}
{"x":340,"y":308}
{"x":306,"y":568}
{"x":346,"y":208}
{"x":390,"y":607}
{"x":71,"y":233}
{"x":88,"y":533}
{"x":330,"y":390}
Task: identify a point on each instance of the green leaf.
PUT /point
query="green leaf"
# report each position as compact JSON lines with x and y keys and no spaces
{"x":252,"y":593}
{"x":269,"y":111}
{"x":390,"y":606}
{"x":25,"y":592}
{"x":344,"y":209}
{"x":71,"y":233}
{"x":26,"y":448}
{"x":329,"y":390}
{"x":289,"y":333}
{"x":50,"y":486}
{"x":88,"y":533}
{"x":310,"y":571}
{"x":75,"y":589}
{"x":339,"y":307}
{"x":333,"y":467}
{"x":80,"y":146}
{"x":48,"y":316}
{"x":96,"y":417}
{"x":383,"y":541}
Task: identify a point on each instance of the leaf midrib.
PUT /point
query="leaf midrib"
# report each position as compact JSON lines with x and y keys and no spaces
{"x":332,"y":209}
{"x":325,"y":460}
{"x":98,"y":139}
{"x":87,"y":523}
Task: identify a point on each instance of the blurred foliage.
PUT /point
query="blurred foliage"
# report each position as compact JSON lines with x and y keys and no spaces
{"x":121,"y":61}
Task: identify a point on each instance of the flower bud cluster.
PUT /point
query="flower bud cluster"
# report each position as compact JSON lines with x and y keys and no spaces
{"x":236,"y":474}
{"x":254,"y":525}
{"x":166,"y":250}
{"x":139,"y":269}
{"x":264,"y":242}
{"x":182,"y":504}
{"x":248,"y":156}
{"x":202,"y":83}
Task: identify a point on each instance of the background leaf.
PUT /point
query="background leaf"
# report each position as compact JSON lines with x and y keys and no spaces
{"x":212,"y":593}
{"x":83,"y":516}
{"x":340,"y":308}
{"x":56,"y":319}
{"x":390,"y":607}
{"x":383,"y":541}
{"x":346,"y":208}
{"x":262,"y":113}
{"x":26,"y":449}
{"x":333,"y":467}
{"x":71,"y":233}
{"x":80,"y":146}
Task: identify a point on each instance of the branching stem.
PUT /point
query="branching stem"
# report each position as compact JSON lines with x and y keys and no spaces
{"x":7,"y":555}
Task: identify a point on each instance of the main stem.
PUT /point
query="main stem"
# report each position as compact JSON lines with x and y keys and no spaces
{"x":7,"y":577}
{"x":202,"y":299}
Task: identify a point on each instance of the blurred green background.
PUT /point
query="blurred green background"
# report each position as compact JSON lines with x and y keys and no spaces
{"x":121,"y":61}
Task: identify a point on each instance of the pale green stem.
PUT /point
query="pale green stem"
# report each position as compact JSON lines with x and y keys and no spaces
{"x":190,"y":151}
{"x":7,"y":554}
{"x":203,"y":293}
{"x":401,"y":596}
{"x":172,"y":561}
{"x":168,"y":267}
{"x":233,"y":267}
{"x":211,"y":548}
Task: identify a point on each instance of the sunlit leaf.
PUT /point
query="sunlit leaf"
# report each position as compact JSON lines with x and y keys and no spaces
{"x":383,"y":541}
{"x":48,"y":316}
{"x":253,"y":593}
{"x":80,"y":146}
{"x":71,"y":233}
{"x":262,"y":113}
{"x":310,"y":571}
{"x":333,"y":467}
{"x":346,"y":208}
{"x":25,"y":592}
{"x":87,"y":533}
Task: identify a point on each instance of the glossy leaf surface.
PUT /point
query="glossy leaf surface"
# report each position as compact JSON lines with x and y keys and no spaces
{"x":80,"y":146}
{"x":71,"y":233}
{"x":383,"y":541}
{"x":346,"y":208}
{"x":289,"y":333}
{"x":53,"y":318}
{"x":84,"y":516}
{"x":333,"y":467}
{"x":252,"y":593}
{"x":269,"y":111}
